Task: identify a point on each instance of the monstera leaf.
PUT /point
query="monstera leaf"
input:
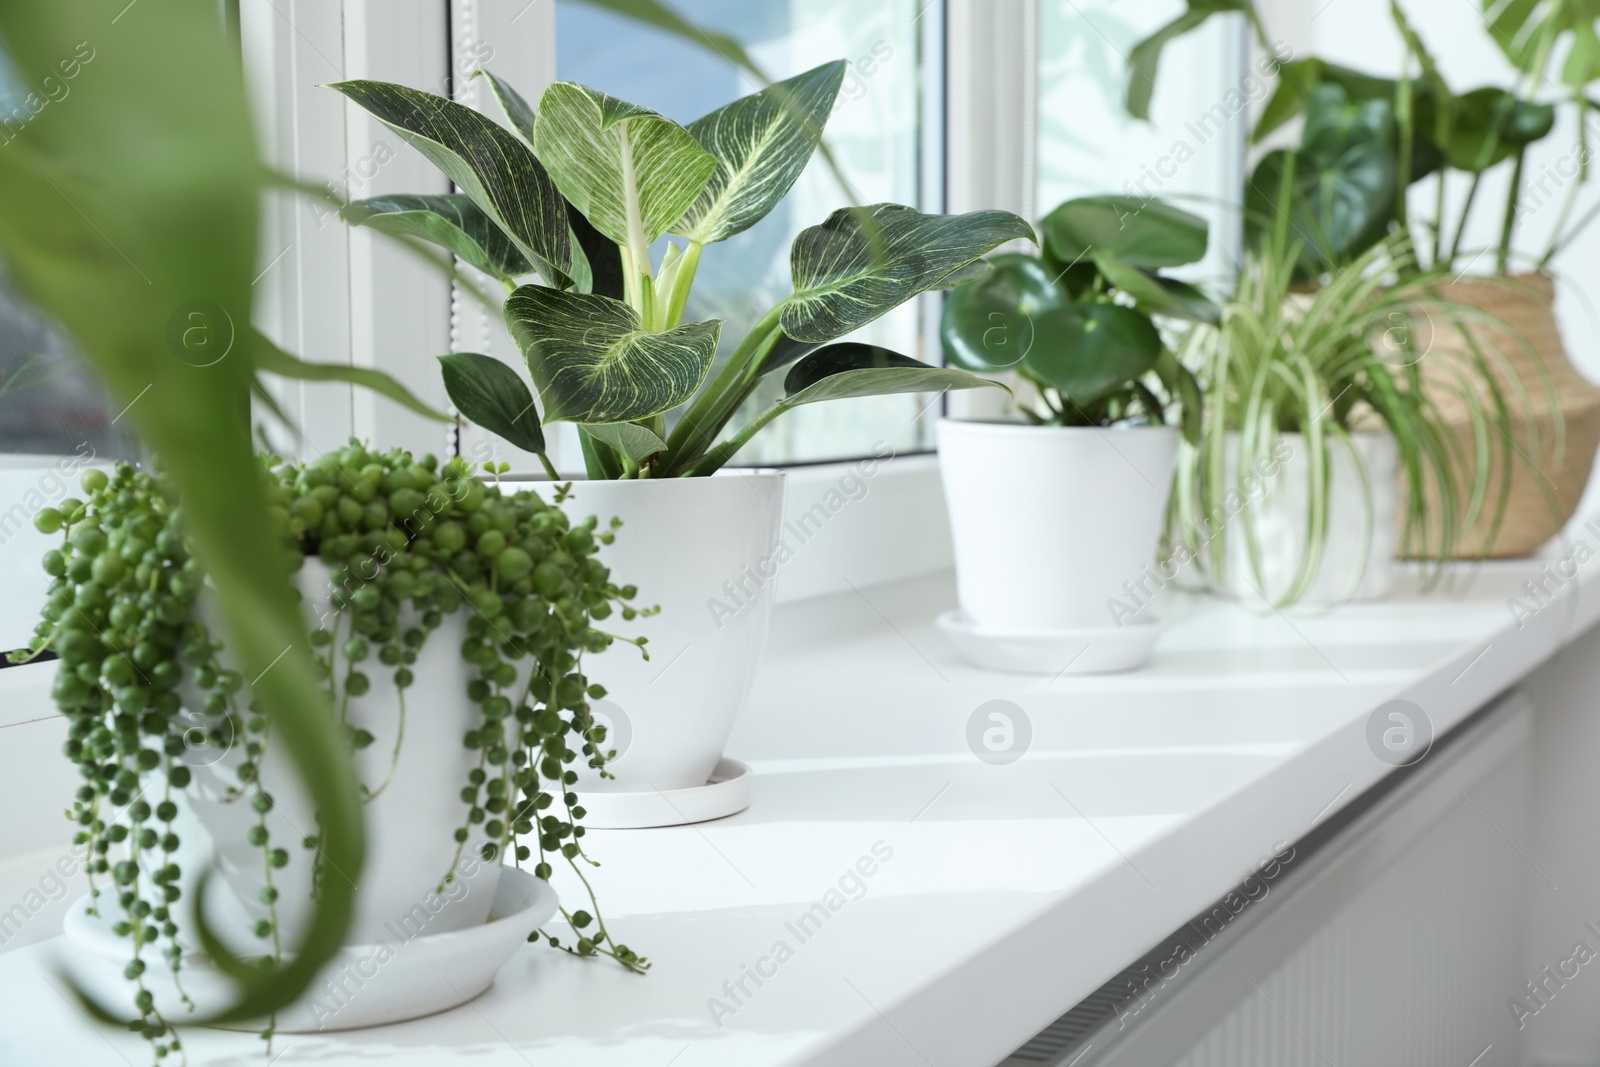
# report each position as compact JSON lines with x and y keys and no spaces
{"x":593,"y":361}
{"x":1490,"y":125}
{"x":1341,"y":193}
{"x":491,"y":394}
{"x":1140,"y":232}
{"x":490,"y":165}
{"x":451,"y":221}
{"x":992,"y":323}
{"x":1528,"y":30}
{"x":864,"y":262}
{"x":631,"y":171}
{"x":761,"y":144}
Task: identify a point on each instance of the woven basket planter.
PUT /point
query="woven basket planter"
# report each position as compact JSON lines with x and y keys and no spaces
{"x":1558,"y":441}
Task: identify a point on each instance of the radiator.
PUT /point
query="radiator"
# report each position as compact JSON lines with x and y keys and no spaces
{"x":1393,"y":939}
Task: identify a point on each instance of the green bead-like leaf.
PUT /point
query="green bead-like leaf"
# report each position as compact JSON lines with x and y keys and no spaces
{"x":451,"y":221}
{"x":990,"y":324}
{"x":494,"y":396}
{"x":631,"y":171}
{"x":1141,"y":232}
{"x":1085,"y":351}
{"x":864,"y":262}
{"x":842,"y":371}
{"x":593,"y":361}
{"x":488,"y":162}
{"x":761,"y":144}
{"x":636,"y":443}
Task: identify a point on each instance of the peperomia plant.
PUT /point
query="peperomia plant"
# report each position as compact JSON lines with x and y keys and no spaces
{"x":1076,"y":321}
{"x":582,"y":192}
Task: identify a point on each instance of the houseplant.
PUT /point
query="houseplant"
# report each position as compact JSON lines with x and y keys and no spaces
{"x":1366,"y":141}
{"x":419,"y":579}
{"x":581,"y":193}
{"x":1076,"y":322}
{"x":1320,"y":444}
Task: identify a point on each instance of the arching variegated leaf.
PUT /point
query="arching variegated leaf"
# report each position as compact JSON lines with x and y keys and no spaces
{"x":451,"y":221}
{"x":864,"y":262}
{"x":593,"y":361}
{"x":491,"y":394}
{"x":631,"y":171}
{"x":488,"y":162}
{"x":516,"y":106}
{"x":635,"y":442}
{"x":841,"y":371}
{"x":761,"y":144}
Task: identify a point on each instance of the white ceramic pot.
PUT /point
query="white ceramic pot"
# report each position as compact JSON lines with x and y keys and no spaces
{"x":1362,"y":533}
{"x":410,"y":822}
{"x":1049,"y":522}
{"x":706,"y":550}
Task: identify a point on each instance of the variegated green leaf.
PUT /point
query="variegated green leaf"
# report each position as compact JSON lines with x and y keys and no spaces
{"x":842,"y":371}
{"x":487,"y":161}
{"x":451,"y":221}
{"x":593,"y":361}
{"x":515,"y":105}
{"x":631,"y":171}
{"x":635,"y":442}
{"x":761,"y":144}
{"x":864,"y":262}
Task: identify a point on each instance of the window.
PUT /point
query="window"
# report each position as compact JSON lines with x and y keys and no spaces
{"x":1190,"y":153}
{"x":879,"y":135}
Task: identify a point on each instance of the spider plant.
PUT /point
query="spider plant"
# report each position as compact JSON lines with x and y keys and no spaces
{"x":1326,"y":364}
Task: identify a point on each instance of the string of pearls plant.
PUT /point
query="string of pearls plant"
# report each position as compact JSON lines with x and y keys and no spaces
{"x":408,"y":542}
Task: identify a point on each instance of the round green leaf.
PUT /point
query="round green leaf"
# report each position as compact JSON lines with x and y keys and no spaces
{"x":1141,"y":232}
{"x":988,"y":324}
{"x":1085,"y":351}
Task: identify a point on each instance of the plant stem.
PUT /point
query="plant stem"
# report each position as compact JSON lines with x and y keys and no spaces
{"x":706,"y":416}
{"x":1503,"y":257}
{"x":549,"y":468}
{"x":720,"y":455}
{"x":678,"y":299}
{"x":1461,"y":224}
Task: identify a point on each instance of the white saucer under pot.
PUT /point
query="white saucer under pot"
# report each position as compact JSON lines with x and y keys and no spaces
{"x":1055,"y":652}
{"x":1052,"y":525}
{"x":409,"y":971}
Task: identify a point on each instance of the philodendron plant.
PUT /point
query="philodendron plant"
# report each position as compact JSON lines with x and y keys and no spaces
{"x":1077,"y":320}
{"x":581,"y":193}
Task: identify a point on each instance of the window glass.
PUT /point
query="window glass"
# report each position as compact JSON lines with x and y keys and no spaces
{"x":875,"y":134}
{"x":1190,"y":151}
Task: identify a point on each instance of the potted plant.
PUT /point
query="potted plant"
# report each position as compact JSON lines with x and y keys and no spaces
{"x":1366,"y":141}
{"x":580,"y":193}
{"x":450,"y":620}
{"x":1320,"y":445}
{"x":1076,"y":322}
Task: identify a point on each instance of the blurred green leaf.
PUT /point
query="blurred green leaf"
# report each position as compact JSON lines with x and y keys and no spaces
{"x":989,"y":325}
{"x":137,"y":200}
{"x":1139,"y":231}
{"x":1085,"y":351}
{"x":451,"y":221}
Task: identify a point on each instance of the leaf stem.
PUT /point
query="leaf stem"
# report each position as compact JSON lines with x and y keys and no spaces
{"x":678,"y":298}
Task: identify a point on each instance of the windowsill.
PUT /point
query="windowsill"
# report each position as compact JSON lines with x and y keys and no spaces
{"x":1011,"y":891}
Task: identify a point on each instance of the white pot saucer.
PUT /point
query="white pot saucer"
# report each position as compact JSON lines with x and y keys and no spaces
{"x":727,"y":793}
{"x":1093,"y":650}
{"x":410,"y":975}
